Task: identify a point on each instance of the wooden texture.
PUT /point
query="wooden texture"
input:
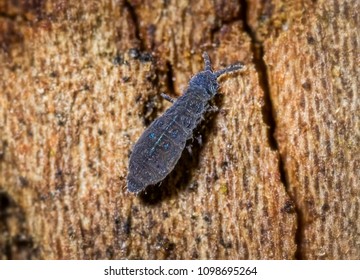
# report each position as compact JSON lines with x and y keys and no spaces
{"x":314,"y":79}
{"x":80,"y":81}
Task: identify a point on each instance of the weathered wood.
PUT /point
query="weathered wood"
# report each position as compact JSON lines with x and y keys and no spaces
{"x":80,"y":83}
{"x":314,"y":82}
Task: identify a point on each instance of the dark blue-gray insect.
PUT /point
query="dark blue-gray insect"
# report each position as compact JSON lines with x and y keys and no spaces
{"x":159,"y":148}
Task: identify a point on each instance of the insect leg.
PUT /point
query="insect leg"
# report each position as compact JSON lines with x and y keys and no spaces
{"x":188,"y":147}
{"x":207,"y":62}
{"x":167,"y":97}
{"x":212,"y":109}
{"x":199,"y":139}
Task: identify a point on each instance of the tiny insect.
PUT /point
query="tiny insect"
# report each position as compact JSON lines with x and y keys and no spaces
{"x":159,"y":148}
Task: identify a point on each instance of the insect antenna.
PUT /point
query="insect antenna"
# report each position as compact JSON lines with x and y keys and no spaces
{"x":207,"y":62}
{"x":228,"y":69}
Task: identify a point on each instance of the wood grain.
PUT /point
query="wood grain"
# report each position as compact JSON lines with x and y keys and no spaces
{"x":80,"y":83}
{"x":314,"y":78}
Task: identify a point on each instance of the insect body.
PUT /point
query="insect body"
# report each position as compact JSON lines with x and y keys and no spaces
{"x":159,"y":148}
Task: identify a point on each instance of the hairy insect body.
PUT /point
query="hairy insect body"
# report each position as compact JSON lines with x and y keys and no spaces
{"x":159,"y":148}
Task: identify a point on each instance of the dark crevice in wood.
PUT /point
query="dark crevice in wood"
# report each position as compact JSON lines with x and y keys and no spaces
{"x":135,"y":20}
{"x":151,"y":107}
{"x":216,"y":28}
{"x":260,"y":65}
{"x":268,"y":110}
{"x":4,"y":205}
{"x":170,"y":82}
{"x":299,"y":234}
{"x":19,"y":245}
{"x":9,"y":17}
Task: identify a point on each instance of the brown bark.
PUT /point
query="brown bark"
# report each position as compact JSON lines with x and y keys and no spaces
{"x":314,"y":83}
{"x":81,"y":81}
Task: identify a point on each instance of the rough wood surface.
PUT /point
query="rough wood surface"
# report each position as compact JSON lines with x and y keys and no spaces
{"x":81,"y":81}
{"x":314,"y":78}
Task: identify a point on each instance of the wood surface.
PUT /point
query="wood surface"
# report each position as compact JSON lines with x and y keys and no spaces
{"x":276,"y":177}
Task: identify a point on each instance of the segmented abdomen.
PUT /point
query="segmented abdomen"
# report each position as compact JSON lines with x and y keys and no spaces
{"x":160,"y":147}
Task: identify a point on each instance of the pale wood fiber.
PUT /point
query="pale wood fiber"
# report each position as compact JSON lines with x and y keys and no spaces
{"x":81,"y":81}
